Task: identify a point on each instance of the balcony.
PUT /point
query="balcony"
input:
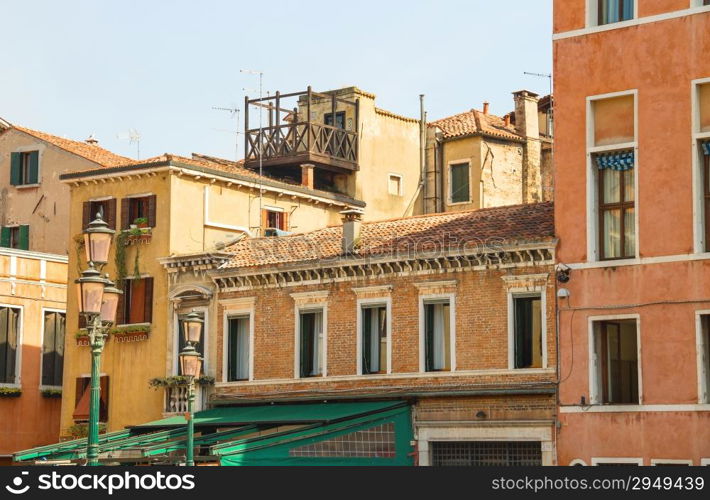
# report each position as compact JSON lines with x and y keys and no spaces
{"x":308,"y":133}
{"x":176,"y":400}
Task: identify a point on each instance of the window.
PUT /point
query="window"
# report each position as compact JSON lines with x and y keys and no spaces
{"x":704,"y":359}
{"x":617,"y":235}
{"x":274,"y":219}
{"x":15,"y":237}
{"x":24,"y":168}
{"x":527,"y":332}
{"x":9,"y":344}
{"x":486,"y":453}
{"x":83,"y":399}
{"x":614,"y":11}
{"x":612,"y":179}
{"x":238,"y":348}
{"x":374,"y":338}
{"x":139,"y":211}
{"x":437,"y":336}
{"x":394,"y":185}
{"x":311,"y":343}
{"x":339,"y":119}
{"x":137,"y":302}
{"x":705,"y":159}
{"x":615,"y":360}
{"x":53,"y":347}
{"x":199,"y":347}
{"x":459,"y":185}
{"x":107,"y":209}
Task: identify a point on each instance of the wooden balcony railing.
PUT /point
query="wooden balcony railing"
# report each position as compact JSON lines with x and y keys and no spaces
{"x":299,"y":140}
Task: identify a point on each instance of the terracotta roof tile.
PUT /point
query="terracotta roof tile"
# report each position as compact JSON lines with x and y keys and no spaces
{"x":91,"y":152}
{"x":446,"y":231}
{"x":475,"y":122}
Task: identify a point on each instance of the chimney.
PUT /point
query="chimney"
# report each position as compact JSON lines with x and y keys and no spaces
{"x":92,"y":140}
{"x":485,"y":107}
{"x":506,"y":118}
{"x":352,"y":220}
{"x":526,"y":120}
{"x":307,"y":175}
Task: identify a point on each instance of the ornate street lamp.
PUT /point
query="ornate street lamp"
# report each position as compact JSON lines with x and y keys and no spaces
{"x":191,"y":368}
{"x":98,"y":301}
{"x":97,"y":241}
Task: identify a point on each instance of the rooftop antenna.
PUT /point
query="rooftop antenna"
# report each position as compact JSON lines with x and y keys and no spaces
{"x":134,"y":137}
{"x":541,"y":75}
{"x":261,"y":131}
{"x":233,"y":113}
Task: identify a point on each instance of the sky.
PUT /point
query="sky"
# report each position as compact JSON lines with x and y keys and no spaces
{"x":79,"y":67}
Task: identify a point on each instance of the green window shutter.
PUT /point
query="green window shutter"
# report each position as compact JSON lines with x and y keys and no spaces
{"x":16,"y":169}
{"x":5,"y":237}
{"x":24,"y":243}
{"x":34,"y":167}
{"x":460,"y":183}
{"x":367,"y":339}
{"x":429,"y":337}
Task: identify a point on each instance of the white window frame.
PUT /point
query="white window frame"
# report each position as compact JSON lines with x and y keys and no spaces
{"x":379,"y":301}
{"x":247,"y":312}
{"x":670,"y":461}
{"x":593,"y":250}
{"x":697,"y":165}
{"x":204,"y":340}
{"x":703,"y":389}
{"x":449,"y":185}
{"x":578,"y":461}
{"x":538,"y":291}
{"x":401,"y":184}
{"x":617,"y":460}
{"x":594,"y":389}
{"x":593,"y":14}
{"x":429,"y":298}
{"x":306,"y":308}
{"x":41,"y":346}
{"x":18,"y":354}
{"x":40,"y":154}
{"x":705,"y":461}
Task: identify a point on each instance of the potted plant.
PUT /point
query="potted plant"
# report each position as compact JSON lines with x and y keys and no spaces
{"x":141,"y":222}
{"x":10,"y":392}
{"x":51,"y":393}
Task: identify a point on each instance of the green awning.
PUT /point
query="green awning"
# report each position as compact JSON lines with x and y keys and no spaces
{"x":259,"y":435}
{"x":275,"y":414}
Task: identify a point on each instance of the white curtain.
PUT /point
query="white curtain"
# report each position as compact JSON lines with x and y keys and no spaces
{"x":317,"y":344}
{"x":439,"y":357}
{"x":242,"y":371}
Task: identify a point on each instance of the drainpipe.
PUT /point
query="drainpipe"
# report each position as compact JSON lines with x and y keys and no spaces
{"x":422,"y":151}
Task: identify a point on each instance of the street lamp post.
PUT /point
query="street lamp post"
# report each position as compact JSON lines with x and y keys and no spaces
{"x":98,"y":301}
{"x":191,"y":367}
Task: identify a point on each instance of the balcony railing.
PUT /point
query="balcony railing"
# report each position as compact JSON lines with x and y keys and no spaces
{"x":176,"y":399}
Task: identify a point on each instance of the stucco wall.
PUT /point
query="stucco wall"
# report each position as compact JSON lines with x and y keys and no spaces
{"x":45,"y":207}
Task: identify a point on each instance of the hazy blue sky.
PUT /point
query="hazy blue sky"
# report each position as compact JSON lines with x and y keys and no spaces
{"x":74,"y":67}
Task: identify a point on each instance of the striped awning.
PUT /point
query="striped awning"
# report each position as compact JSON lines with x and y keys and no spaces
{"x":616,"y":160}
{"x":705,"y":147}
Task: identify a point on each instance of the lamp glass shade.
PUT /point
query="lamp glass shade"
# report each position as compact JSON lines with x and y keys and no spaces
{"x":192,"y":328}
{"x":97,"y":246}
{"x":90,"y":296}
{"x":190,"y":363}
{"x":109,"y":307}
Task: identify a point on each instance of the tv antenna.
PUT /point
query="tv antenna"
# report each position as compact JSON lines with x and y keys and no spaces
{"x":233,"y":113}
{"x":133,"y":137}
{"x":541,"y":75}
{"x":260,"y":142}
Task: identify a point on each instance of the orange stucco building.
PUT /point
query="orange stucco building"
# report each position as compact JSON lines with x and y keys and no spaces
{"x":632,"y":195}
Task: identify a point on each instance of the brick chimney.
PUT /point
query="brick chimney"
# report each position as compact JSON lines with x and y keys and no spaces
{"x":526,"y":120}
{"x":506,"y":119}
{"x":486,"y":105}
{"x":307,"y":175}
{"x":352,"y":222}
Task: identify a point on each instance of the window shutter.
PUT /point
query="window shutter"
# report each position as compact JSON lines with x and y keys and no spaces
{"x":264,"y":220}
{"x":148,"y":297}
{"x":85,"y":214}
{"x":16,"y":169}
{"x":103,"y":406}
{"x":49,"y":342}
{"x":121,"y":308}
{"x":429,"y":337}
{"x":34,"y":167}
{"x":284,"y":221}
{"x":125,"y":204}
{"x":24,"y":243}
{"x":111,"y":213}
{"x":5,"y":237}
{"x":366,"y":339}
{"x":151,"y":210}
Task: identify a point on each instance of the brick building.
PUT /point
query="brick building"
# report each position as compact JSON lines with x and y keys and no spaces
{"x":452,"y":314}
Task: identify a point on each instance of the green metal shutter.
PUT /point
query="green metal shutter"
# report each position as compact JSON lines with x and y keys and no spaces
{"x":460,"y":183}
{"x":24,"y":243}
{"x":16,"y":169}
{"x":429,"y":337}
{"x":34,"y":168}
{"x":5,"y":237}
